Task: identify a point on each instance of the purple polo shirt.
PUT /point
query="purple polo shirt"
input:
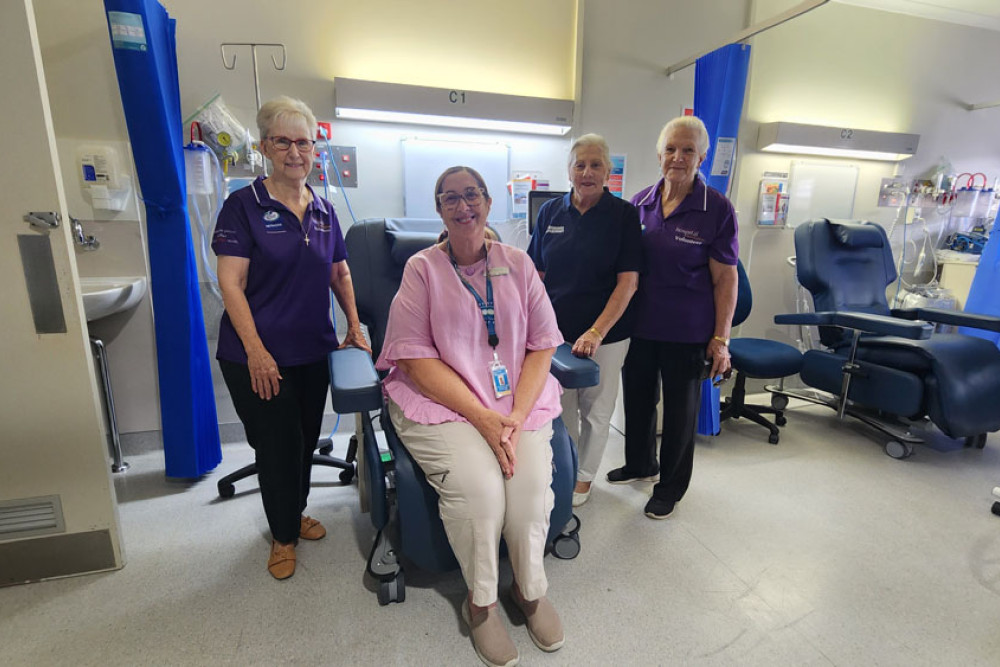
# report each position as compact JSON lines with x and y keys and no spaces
{"x":288,"y":284}
{"x":675,"y":302}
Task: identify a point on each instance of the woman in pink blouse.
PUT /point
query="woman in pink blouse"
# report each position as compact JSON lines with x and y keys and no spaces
{"x":470,"y":336}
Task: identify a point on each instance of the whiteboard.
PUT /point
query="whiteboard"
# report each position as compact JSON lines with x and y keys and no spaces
{"x":425,"y":159}
{"x":820,"y":191}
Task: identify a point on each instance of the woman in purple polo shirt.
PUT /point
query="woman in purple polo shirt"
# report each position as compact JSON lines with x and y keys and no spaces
{"x":684,"y":307}
{"x":280,"y":253}
{"x":470,"y":337}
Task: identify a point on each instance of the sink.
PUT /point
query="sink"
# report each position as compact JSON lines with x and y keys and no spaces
{"x":107,"y":296}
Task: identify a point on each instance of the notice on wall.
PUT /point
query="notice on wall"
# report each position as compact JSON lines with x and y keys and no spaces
{"x":127,"y":31}
{"x":772,"y":205}
{"x":722,"y":159}
{"x":616,"y":179}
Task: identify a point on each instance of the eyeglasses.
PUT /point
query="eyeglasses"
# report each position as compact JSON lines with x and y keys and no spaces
{"x":284,"y":143}
{"x":472,"y":197}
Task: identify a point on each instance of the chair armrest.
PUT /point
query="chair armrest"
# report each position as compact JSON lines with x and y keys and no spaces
{"x":879,"y":324}
{"x":574,"y":372}
{"x":354,"y":384}
{"x":942,"y":316}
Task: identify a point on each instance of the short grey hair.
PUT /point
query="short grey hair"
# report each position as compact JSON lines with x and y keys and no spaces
{"x":283,"y":107}
{"x":688,"y":123}
{"x":588,"y":140}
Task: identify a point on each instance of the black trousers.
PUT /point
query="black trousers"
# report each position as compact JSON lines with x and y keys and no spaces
{"x":283,"y":432}
{"x":679,"y":367}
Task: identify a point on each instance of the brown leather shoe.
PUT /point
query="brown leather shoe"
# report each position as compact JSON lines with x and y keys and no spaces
{"x":311,"y":529}
{"x":281,"y":564}
{"x":544,"y":626}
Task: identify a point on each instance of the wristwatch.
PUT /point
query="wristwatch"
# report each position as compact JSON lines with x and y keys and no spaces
{"x":724,"y":341}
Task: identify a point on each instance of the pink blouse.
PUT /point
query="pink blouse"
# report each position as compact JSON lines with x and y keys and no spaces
{"x":433,"y":316}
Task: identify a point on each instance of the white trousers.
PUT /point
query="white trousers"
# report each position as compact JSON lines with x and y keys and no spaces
{"x":478,"y":505}
{"x":587,"y":412}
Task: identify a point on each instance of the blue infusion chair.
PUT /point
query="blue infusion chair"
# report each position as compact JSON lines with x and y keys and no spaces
{"x":887,"y":367}
{"x":757,"y":358}
{"x":403,"y":507}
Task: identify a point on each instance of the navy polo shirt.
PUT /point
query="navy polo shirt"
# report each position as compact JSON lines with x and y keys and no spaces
{"x":582,"y":255}
{"x":288,"y":284}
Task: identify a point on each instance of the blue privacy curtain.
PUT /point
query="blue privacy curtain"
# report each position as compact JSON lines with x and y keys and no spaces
{"x":144,"y":48}
{"x":984,"y":295}
{"x":720,"y":80}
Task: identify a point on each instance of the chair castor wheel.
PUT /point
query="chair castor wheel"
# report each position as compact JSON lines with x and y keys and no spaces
{"x":773,"y":438}
{"x":898,"y":450}
{"x":996,"y":508}
{"x":347,"y":475}
{"x":566,"y":547}
{"x":392,"y":590}
{"x":780,"y":420}
{"x":779,"y":402}
{"x":226,"y":490}
{"x":977,"y":441}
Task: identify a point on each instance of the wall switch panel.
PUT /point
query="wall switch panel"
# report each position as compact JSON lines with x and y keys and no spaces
{"x":343,"y":160}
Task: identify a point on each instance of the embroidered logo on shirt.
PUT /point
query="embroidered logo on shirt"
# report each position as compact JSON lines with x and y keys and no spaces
{"x":322,"y":227}
{"x":687,"y":236}
{"x":271,"y":216}
{"x":555,"y":230}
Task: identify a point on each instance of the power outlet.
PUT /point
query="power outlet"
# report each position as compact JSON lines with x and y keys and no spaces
{"x":344,"y":160}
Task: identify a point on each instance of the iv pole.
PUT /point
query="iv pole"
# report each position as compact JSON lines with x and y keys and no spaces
{"x":231,"y":65}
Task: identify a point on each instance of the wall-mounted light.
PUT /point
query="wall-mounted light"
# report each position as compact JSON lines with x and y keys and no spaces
{"x":400,"y":103}
{"x":836,"y":141}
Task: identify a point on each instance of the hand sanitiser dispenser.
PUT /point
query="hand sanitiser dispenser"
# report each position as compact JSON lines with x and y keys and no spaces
{"x":101,"y":177}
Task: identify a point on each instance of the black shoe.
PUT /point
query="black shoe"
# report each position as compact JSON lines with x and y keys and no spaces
{"x":659,"y":509}
{"x":623,"y":476}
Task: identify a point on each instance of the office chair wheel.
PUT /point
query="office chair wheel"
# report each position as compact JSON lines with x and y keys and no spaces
{"x":779,"y":402}
{"x":996,"y":508}
{"x":326,"y":448}
{"x":566,"y":547}
{"x":780,"y":420}
{"x":977,"y":441}
{"x":392,"y":590}
{"x":226,"y":490}
{"x":898,"y":450}
{"x":347,"y":475}
{"x":773,"y":438}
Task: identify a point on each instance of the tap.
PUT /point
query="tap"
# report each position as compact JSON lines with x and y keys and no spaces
{"x":81,"y":239}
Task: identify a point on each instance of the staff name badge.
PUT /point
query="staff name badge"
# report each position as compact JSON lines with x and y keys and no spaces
{"x":555,"y":230}
{"x":499,"y":271}
{"x":501,"y":381}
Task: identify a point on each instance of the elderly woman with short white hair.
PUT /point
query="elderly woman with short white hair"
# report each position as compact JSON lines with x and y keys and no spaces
{"x":684,"y":309}
{"x":587,"y":249}
{"x":280,"y":253}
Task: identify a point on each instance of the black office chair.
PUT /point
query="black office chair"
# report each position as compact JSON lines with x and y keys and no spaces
{"x":757,"y":358}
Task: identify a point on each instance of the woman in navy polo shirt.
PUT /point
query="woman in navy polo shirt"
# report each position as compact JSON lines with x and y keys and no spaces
{"x":587,"y":247}
{"x":684,"y":308}
{"x":280,"y":253}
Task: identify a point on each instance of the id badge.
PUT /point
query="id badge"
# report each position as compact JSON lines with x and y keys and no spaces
{"x":501,"y":381}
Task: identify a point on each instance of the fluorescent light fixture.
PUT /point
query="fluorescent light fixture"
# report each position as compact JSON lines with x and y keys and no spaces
{"x":421,"y":105}
{"x":836,"y":142}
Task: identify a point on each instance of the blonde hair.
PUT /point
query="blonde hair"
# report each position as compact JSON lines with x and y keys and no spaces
{"x":283,"y":107}
{"x":689,"y":123}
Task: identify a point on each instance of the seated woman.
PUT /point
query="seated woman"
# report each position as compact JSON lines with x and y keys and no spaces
{"x":470,"y":337}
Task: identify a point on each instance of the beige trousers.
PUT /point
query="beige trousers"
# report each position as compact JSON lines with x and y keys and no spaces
{"x":587,"y":411}
{"x":478,"y":505}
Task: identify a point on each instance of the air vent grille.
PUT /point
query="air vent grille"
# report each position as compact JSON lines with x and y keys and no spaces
{"x":25,"y":517}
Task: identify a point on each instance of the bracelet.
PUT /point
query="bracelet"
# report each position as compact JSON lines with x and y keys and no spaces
{"x":724,"y":341}
{"x":597,"y":333}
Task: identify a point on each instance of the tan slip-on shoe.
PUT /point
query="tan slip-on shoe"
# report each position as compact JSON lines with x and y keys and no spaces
{"x":544,"y":626}
{"x":489,"y":637}
{"x":311,"y":529}
{"x":281,"y":564}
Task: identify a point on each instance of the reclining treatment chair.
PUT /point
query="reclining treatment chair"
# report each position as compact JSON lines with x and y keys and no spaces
{"x":395,"y":491}
{"x":883,"y":365}
{"x":757,"y":358}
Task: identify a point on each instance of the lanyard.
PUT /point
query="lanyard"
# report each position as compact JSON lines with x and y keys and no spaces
{"x":485,"y":307}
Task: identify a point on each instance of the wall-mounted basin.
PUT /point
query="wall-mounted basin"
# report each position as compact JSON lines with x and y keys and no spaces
{"x":107,"y":296}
